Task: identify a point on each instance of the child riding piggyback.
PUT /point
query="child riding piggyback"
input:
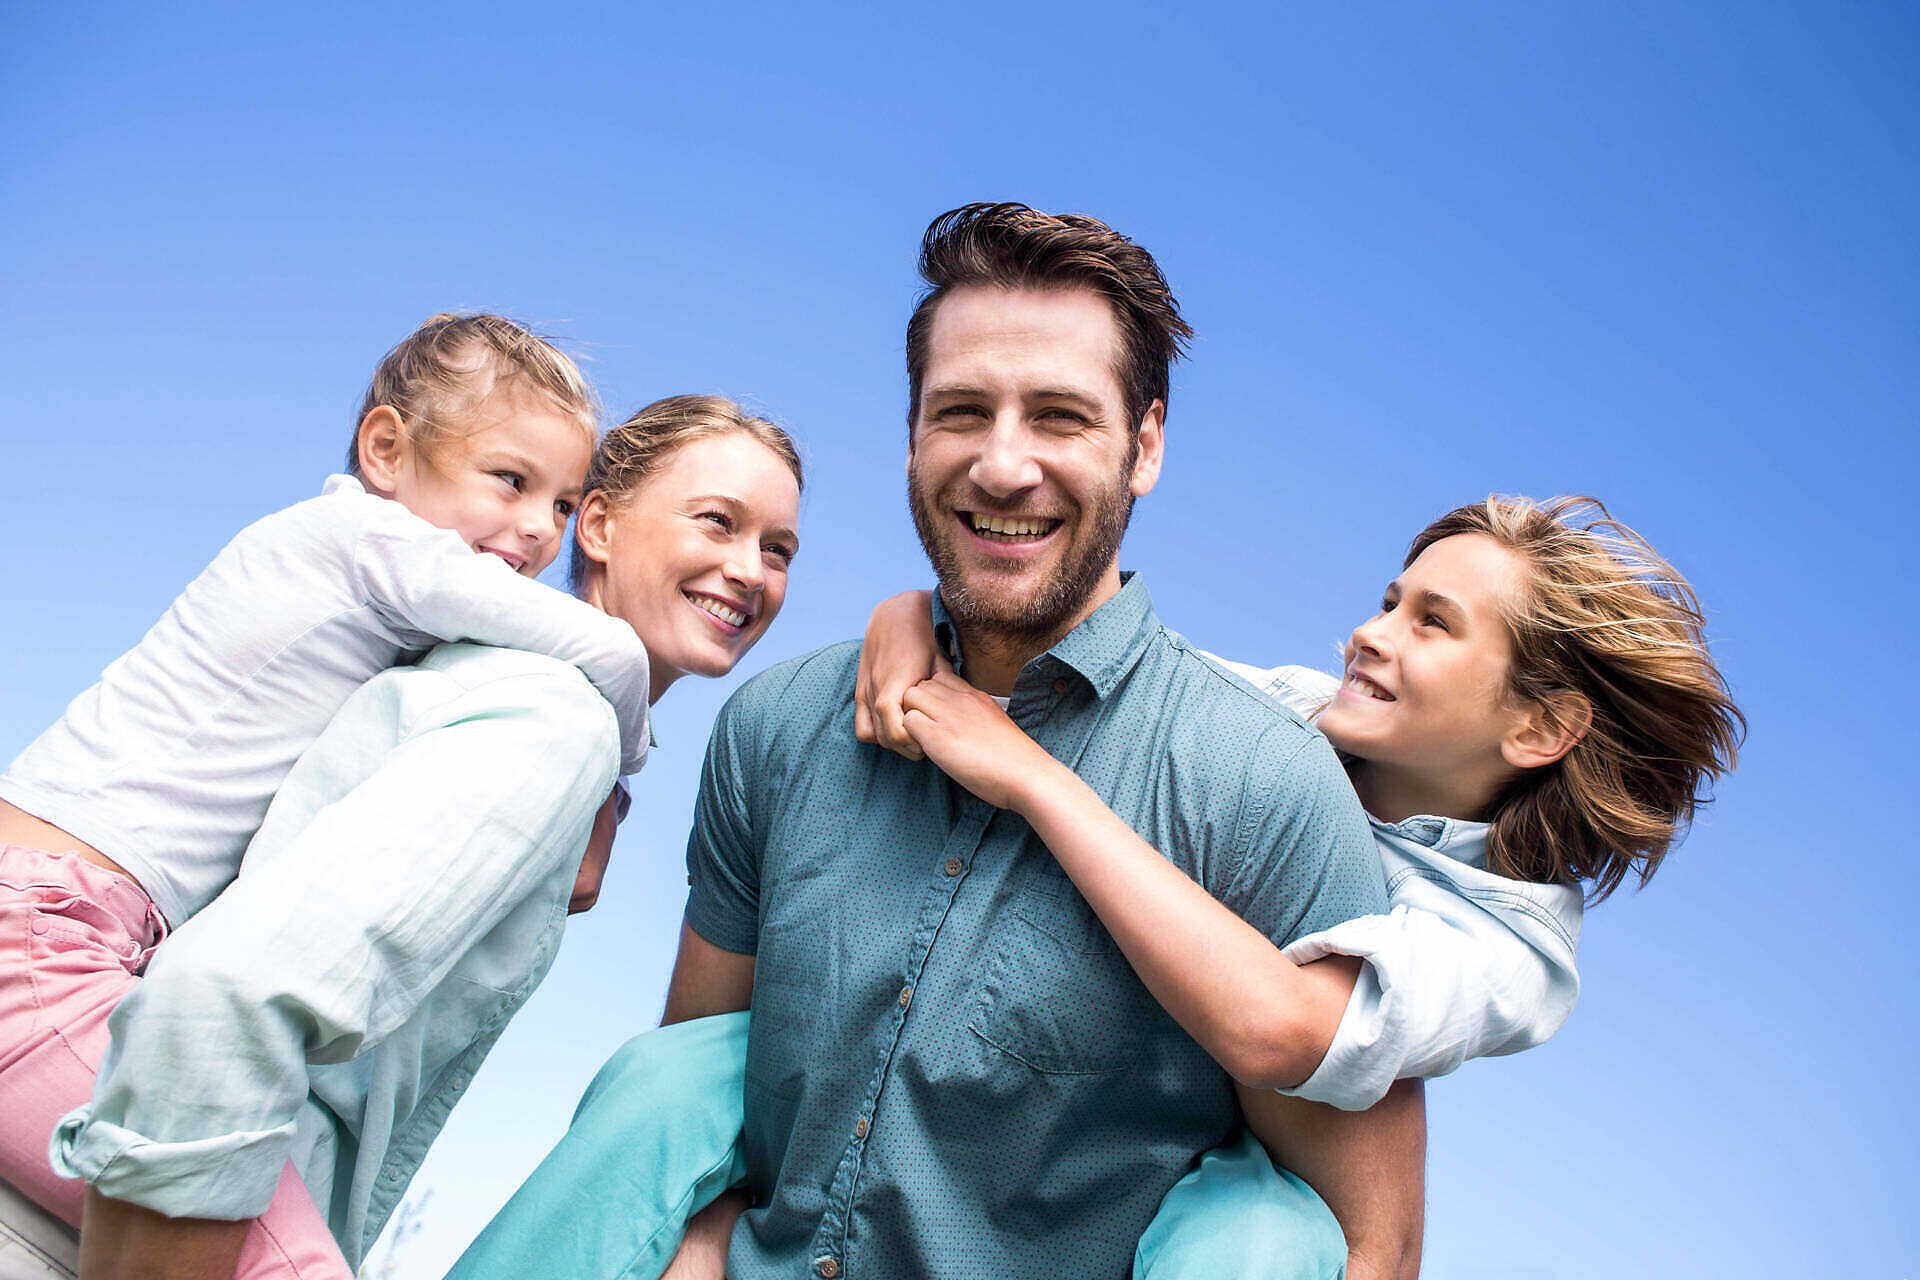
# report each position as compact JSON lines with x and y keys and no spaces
{"x":132,"y":812}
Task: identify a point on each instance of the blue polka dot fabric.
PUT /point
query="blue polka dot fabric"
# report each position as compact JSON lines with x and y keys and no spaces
{"x":952,"y":1070}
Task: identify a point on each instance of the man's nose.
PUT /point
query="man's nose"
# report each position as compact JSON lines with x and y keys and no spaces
{"x":1006,"y":463}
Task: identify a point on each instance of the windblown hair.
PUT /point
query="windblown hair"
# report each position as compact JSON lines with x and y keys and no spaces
{"x":1014,"y":247}
{"x":641,"y":446}
{"x":437,"y":376}
{"x":1602,"y":615}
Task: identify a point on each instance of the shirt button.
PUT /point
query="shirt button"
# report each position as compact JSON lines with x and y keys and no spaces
{"x":1060,"y":686}
{"x":906,"y":996}
{"x":954,"y":866}
{"x":827,"y":1267}
{"x":860,"y":1127}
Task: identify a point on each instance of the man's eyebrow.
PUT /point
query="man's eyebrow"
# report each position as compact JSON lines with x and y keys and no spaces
{"x":1073,"y":395}
{"x":953,"y":389}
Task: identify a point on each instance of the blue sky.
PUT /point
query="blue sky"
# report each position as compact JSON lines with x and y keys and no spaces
{"x":1663,"y":254}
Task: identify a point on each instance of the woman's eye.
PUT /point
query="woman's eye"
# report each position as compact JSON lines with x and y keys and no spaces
{"x":512,"y":479}
{"x":720,"y":518}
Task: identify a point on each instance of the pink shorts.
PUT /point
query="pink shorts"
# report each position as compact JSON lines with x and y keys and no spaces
{"x":74,"y":938}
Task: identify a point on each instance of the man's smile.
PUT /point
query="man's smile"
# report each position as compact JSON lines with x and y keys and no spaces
{"x":1004,"y":533}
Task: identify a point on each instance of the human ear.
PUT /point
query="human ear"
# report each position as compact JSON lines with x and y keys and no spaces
{"x":593,"y":526}
{"x":380,"y":445}
{"x":1153,"y":448}
{"x":1547,"y":731}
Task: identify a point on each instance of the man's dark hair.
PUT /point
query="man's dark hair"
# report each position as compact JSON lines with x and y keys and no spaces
{"x":1013,"y":246}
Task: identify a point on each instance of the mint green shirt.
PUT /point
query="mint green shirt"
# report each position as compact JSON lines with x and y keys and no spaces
{"x":405,"y":894}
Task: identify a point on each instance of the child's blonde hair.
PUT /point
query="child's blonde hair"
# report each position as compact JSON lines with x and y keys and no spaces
{"x":1602,"y":615}
{"x":436,"y":377}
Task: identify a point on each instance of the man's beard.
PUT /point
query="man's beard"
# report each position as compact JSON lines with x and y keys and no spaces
{"x":1045,"y":612}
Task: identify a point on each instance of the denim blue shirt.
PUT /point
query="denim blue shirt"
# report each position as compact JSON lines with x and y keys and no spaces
{"x":952,"y":1070}
{"x":404,"y":896}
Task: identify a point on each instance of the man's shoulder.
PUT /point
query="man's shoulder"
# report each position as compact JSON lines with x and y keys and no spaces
{"x":796,"y":699}
{"x":803,"y":685}
{"x":1241,"y":745}
{"x":1219,"y":703}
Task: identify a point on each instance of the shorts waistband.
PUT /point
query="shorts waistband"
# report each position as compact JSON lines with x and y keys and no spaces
{"x":127,"y":901}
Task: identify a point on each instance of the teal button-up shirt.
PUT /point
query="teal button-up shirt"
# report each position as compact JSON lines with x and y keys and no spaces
{"x":952,"y":1070}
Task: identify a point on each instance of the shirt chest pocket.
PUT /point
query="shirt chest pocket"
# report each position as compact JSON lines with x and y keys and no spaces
{"x":1056,"y":992}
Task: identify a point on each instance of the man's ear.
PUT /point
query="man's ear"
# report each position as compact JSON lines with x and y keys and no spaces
{"x":380,"y":444}
{"x":1153,"y":450}
{"x":1546,"y":732}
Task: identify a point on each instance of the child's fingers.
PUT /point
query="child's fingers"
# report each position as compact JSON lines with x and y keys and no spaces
{"x":863,"y":699}
{"x":890,"y":729}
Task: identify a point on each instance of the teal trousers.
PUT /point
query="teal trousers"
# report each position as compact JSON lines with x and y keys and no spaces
{"x":657,"y":1137}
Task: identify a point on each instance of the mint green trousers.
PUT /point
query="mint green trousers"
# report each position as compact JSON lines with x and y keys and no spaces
{"x":657,"y":1137}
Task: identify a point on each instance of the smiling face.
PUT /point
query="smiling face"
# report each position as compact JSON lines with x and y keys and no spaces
{"x":695,"y":558}
{"x":1023,"y":468}
{"x":1425,"y":701}
{"x":506,"y":486}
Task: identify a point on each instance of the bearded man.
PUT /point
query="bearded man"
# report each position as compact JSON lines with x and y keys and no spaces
{"x":950,"y":1068}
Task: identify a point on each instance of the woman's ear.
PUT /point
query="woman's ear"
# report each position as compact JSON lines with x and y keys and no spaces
{"x":380,"y":445}
{"x":593,"y":526}
{"x":1547,"y":731}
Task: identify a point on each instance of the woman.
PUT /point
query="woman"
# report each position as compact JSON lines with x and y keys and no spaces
{"x":406,"y":890}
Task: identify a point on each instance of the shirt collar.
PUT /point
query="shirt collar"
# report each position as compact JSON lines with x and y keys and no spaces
{"x":1459,"y":838}
{"x":1102,"y":649}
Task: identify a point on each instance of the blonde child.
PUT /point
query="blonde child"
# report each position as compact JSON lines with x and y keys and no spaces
{"x":131,"y":813}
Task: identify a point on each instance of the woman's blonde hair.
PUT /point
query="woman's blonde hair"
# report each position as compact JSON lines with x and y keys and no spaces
{"x":436,"y":377}
{"x":641,"y":445}
{"x":1602,"y":615}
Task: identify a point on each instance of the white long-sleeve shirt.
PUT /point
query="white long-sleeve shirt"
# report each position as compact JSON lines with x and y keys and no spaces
{"x":1466,"y":963}
{"x":167,"y":765}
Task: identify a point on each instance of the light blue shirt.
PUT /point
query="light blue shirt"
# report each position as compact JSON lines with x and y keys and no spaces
{"x":1464,"y":963}
{"x":405,"y":894}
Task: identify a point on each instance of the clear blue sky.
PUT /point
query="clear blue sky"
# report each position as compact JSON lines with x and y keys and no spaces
{"x":1665,"y":254}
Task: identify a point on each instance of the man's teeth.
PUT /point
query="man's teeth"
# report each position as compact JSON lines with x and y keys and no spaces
{"x":728,"y":615}
{"x":1362,"y":685}
{"x":1009,"y":527}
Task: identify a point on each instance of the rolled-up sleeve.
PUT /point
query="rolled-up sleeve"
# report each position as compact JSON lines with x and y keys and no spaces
{"x":1435,"y":991}
{"x":432,"y":805}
